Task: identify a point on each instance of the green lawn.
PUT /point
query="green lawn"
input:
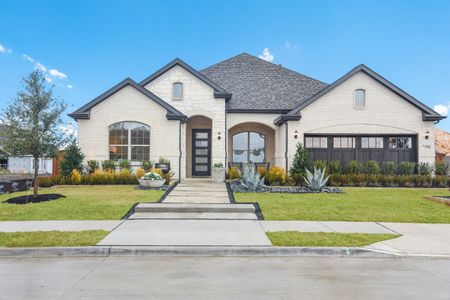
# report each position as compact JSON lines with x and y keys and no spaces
{"x":326,"y":239}
{"x":51,"y":238}
{"x":356,"y":204}
{"x":101,"y":202}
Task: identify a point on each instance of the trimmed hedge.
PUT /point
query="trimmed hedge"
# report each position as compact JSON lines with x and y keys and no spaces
{"x":376,"y":180}
{"x":98,"y":177}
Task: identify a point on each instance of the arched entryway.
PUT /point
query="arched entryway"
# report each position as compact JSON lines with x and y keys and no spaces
{"x":251,"y":142}
{"x":198,"y":146}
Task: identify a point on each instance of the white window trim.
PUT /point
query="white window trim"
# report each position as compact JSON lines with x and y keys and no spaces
{"x":182,"y":91}
{"x":129,"y":145}
{"x":355,"y":107}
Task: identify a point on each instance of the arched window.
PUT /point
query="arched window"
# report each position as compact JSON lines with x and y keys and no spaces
{"x":129,"y":140}
{"x":249,"y":147}
{"x":360,"y":98}
{"x":177,"y":91}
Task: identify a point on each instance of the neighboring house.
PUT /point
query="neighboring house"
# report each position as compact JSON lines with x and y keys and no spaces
{"x":442,"y":146}
{"x":245,"y":109}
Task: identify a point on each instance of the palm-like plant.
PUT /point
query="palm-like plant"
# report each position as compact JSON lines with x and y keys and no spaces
{"x":316,"y":181}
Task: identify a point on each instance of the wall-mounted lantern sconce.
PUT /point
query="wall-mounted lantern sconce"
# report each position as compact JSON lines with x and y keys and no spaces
{"x":427,"y":135}
{"x":295,"y":134}
{"x":219,"y":135}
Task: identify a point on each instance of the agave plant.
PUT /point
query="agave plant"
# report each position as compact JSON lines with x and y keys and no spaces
{"x":251,"y":179}
{"x":316,"y":181}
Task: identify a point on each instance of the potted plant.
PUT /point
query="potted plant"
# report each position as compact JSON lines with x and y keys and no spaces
{"x":218,"y":172}
{"x":151,"y":179}
{"x":163,"y":164}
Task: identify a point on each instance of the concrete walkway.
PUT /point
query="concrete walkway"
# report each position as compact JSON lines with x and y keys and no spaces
{"x":187,"y":233}
{"x":195,"y":190}
{"x":326,"y":226}
{"x":24,"y":226}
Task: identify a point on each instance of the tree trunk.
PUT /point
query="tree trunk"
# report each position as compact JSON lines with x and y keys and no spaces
{"x":36,"y":177}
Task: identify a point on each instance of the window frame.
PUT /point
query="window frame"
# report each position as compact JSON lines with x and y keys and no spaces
{"x":129,"y":145}
{"x":368,"y":142}
{"x":410,"y":139}
{"x":321,"y":138}
{"x":347,"y":138}
{"x":173,"y":91}
{"x":248,"y":133}
{"x":359,"y":107}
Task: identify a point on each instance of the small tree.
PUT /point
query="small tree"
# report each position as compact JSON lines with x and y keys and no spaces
{"x":299,"y":164}
{"x":73,"y":159}
{"x":32,"y":121}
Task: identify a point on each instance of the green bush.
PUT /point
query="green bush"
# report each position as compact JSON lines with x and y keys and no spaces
{"x":406,"y":168}
{"x":108,"y":166}
{"x":125,"y":164}
{"x":299,"y":164}
{"x":425,"y":168}
{"x":319,"y":164}
{"x":92,"y":165}
{"x":354,"y":167}
{"x":372,"y":167}
{"x":334,"y":167}
{"x":147,"y":165}
{"x":73,"y":159}
{"x":388,"y":168}
{"x":440,"y":168}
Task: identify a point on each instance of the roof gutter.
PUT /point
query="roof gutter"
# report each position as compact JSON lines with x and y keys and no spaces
{"x":284,"y":118}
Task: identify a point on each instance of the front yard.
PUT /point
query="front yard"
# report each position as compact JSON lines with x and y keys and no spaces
{"x":51,"y":238}
{"x":101,"y":202}
{"x":405,"y":205}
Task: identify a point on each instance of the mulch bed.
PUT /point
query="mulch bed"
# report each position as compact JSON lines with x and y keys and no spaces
{"x":31,"y":199}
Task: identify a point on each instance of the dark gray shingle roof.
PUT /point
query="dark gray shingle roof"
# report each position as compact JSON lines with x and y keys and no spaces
{"x":257,"y":84}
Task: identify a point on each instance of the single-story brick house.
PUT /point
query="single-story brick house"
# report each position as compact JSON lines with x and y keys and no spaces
{"x":245,"y":109}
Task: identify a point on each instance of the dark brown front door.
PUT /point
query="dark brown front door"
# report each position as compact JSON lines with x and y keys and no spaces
{"x":201,"y":152}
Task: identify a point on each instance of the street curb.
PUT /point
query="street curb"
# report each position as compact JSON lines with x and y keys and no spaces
{"x":106,"y":251}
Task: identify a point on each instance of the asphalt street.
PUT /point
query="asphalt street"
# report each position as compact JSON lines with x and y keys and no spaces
{"x":224,"y":278}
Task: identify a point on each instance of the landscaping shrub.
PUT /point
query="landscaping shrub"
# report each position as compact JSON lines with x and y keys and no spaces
{"x":45,"y":181}
{"x":108,"y":166}
{"x":373,"y":180}
{"x":440,"y":168}
{"x":388,"y":168}
{"x":92,"y":165}
{"x":319,"y":164}
{"x":354,"y":167}
{"x":425,"y":168}
{"x":262,"y":171}
{"x":140,"y":172}
{"x":276,"y":176}
{"x":147,"y":165}
{"x":233,"y":173}
{"x":440,"y":181}
{"x":372,"y":167}
{"x":299,"y":164}
{"x":73,"y":159}
{"x":75,"y":176}
{"x":334,"y":167}
{"x":124,"y":164}
{"x":406,"y":168}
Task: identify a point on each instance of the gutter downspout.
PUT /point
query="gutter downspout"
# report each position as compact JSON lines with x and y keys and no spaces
{"x":181,"y":153}
{"x":286,"y":147}
{"x":225,"y":139}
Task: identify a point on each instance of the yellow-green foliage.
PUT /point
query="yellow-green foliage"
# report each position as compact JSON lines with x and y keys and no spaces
{"x":262,"y":171}
{"x":276,"y":176}
{"x":233,"y":173}
{"x":140,"y":172}
{"x":75,"y":176}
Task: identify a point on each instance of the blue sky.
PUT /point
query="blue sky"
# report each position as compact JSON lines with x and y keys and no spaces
{"x":88,"y":46}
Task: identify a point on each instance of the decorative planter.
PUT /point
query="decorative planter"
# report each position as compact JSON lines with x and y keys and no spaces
{"x":218,"y":174}
{"x":151,"y":183}
{"x":164,"y":167}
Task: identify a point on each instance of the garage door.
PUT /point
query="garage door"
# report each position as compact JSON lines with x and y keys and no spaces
{"x":344,"y":148}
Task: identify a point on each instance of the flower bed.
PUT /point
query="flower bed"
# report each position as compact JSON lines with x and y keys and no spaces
{"x":237,"y":187}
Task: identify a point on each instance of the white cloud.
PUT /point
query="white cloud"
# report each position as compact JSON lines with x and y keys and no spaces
{"x":41,"y":67}
{"x":48,"y":79}
{"x":441,"y":109}
{"x":57,"y":74}
{"x":3,"y":49}
{"x":27,"y":58}
{"x":69,"y":86}
{"x":68,"y":129}
{"x":266,"y":55}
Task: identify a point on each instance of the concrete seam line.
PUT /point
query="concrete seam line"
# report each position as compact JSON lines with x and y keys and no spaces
{"x":392,"y":230}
